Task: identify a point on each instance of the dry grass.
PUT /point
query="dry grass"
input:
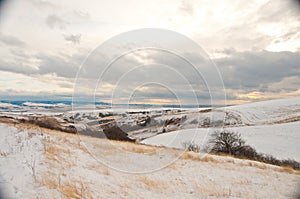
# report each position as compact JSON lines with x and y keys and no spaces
{"x":263,"y":166}
{"x":196,"y":157}
{"x":154,"y":184}
{"x":208,"y":158}
{"x":190,"y":156}
{"x":78,"y":192}
{"x":50,"y":183}
{"x":213,"y":190}
{"x":106,"y":171}
{"x":286,"y":169}
{"x":139,"y":149}
{"x":172,"y":165}
{"x":75,"y":190}
{"x":3,"y":154}
{"x":291,"y":119}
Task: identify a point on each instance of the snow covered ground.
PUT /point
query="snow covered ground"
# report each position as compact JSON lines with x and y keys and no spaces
{"x":271,"y":127}
{"x":40,"y":163}
{"x":278,"y":140}
{"x":266,"y":112}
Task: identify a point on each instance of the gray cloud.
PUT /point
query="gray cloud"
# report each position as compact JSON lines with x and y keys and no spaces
{"x":269,"y":12}
{"x":61,"y":66}
{"x":16,"y":67}
{"x":53,"y":21}
{"x":11,"y":40}
{"x":242,"y":72}
{"x":254,"y":70}
{"x":74,"y":38}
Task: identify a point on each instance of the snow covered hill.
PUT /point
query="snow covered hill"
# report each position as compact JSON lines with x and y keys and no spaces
{"x":266,"y":112}
{"x":271,"y":127}
{"x":41,"y":163}
{"x":278,"y":140}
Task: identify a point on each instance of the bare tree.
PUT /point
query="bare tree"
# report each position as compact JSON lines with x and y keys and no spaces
{"x":226,"y":142}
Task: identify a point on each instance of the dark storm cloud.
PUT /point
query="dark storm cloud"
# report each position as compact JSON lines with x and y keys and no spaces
{"x":251,"y":70}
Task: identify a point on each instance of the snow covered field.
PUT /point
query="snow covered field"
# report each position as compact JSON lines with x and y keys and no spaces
{"x":266,"y":112}
{"x":271,"y":127}
{"x":40,"y":163}
{"x":278,"y":140}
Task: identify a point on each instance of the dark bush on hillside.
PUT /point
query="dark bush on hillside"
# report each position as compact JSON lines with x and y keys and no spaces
{"x":247,"y":151}
{"x":190,"y":146}
{"x":226,"y":142}
{"x":292,"y":163}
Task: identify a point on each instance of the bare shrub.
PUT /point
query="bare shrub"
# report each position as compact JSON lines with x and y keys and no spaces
{"x":226,"y":142}
{"x":191,"y":146}
{"x":231,"y":143}
{"x":294,"y":164}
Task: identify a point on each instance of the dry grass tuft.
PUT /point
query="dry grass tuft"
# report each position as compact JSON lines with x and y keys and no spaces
{"x":209,"y":159}
{"x":196,"y":157}
{"x":190,"y":156}
{"x":139,"y":149}
{"x":75,"y":190}
{"x":287,"y":169}
{"x":215,"y":191}
{"x":106,"y":171}
{"x":4,"y":154}
{"x":154,"y":184}
{"x":291,"y":119}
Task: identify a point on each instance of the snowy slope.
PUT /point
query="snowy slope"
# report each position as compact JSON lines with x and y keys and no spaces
{"x":271,"y":127}
{"x":279,"y":140}
{"x":38,"y":163}
{"x":265,"y":112}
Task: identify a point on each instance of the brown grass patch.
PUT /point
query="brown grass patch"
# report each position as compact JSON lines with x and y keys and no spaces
{"x":214,"y":190}
{"x":106,"y":171}
{"x":291,"y":119}
{"x":263,"y":166}
{"x":209,"y":159}
{"x":196,"y":157}
{"x":287,"y":169}
{"x":172,"y":165}
{"x":139,"y":149}
{"x":190,"y":156}
{"x":76,"y":190}
{"x":4,"y":154}
{"x":154,"y":184}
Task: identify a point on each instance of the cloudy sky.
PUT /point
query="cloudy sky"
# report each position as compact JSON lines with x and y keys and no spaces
{"x":254,"y":44}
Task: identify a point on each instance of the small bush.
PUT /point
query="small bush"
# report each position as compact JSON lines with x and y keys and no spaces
{"x":227,"y":142}
{"x":231,"y":143}
{"x":190,"y":146}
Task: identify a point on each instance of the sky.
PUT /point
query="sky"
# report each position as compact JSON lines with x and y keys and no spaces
{"x":46,"y":44}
